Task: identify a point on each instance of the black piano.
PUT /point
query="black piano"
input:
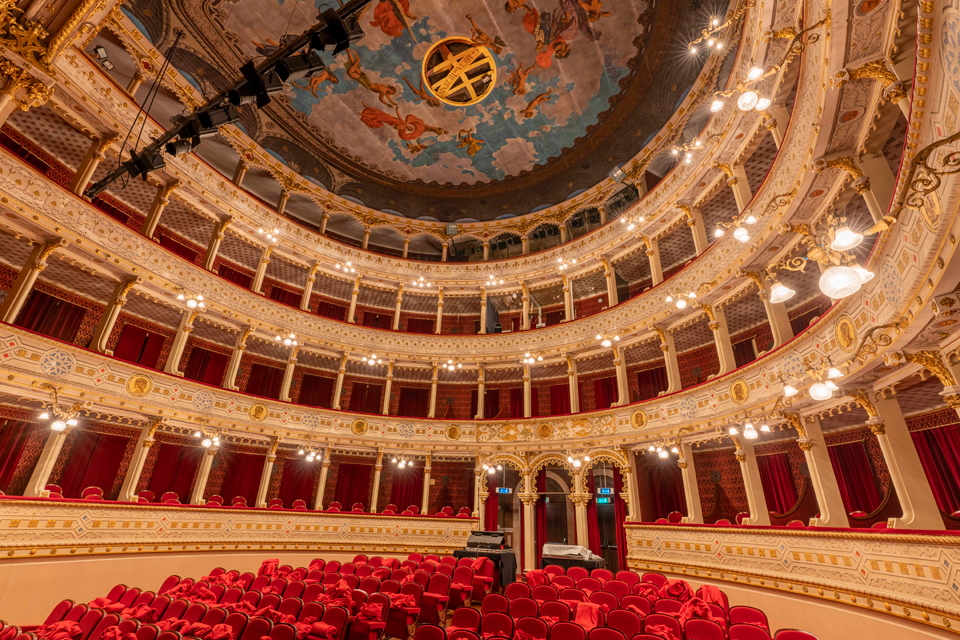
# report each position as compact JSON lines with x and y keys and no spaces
{"x":490,"y":544}
{"x":567,"y":556}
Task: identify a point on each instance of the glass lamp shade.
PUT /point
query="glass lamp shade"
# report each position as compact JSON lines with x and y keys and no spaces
{"x":207,"y":443}
{"x":716,"y":106}
{"x":748,"y":100}
{"x":833,"y":373}
{"x":577,"y":464}
{"x":780,"y":293}
{"x":663,"y":453}
{"x":741,"y":234}
{"x":845,"y":239}
{"x":763,"y":104}
{"x":820,"y":391}
{"x":755,"y":73}
{"x":865,"y":276}
{"x":789,"y":391}
{"x":733,"y":431}
{"x":840,"y":282}
{"x":681,"y":303}
{"x":750,"y":433}
{"x":58,"y":425}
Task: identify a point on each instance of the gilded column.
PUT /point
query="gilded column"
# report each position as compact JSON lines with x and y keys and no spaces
{"x":567,"y":299}
{"x":48,"y":458}
{"x":737,"y":181}
{"x":366,"y":238}
{"x":261,"y":269}
{"x":669,"y":360}
{"x":265,"y":474}
{"x":426,"y":483}
{"x":623,"y":386}
{"x":406,"y":247}
{"x":580,"y":502}
{"x":863,"y":184}
{"x":444,"y":252}
{"x":308,"y":289}
{"x":486,"y":249}
{"x":108,"y":320}
{"x":697,"y":228}
{"x":433,"y":393}
{"x":324,"y":219}
{"x":611,"y":278}
{"x":203,"y":475}
{"x":240,"y":172}
{"x":690,"y":488}
{"x":352,"y":313}
{"x":438,"y":324}
{"x":721,"y":337}
{"x":524,"y":244}
{"x":213,"y":246}
{"x":572,"y":386}
{"x":483,"y":310}
{"x":777,"y":316}
{"x":377,"y":470}
{"x":160,"y":201}
{"x":288,"y":374}
{"x":128,"y":490}
{"x":233,"y":366}
{"x":338,"y":388}
{"x":525,"y":320}
{"x":282,"y":201}
{"x":776,"y":119}
{"x":653,"y":255}
{"x":91,"y":160}
{"x":481,"y":393}
{"x":396,"y":313}
{"x":23,"y":285}
{"x":135,"y":83}
{"x":387,"y":388}
{"x":527,"y":393}
{"x":322,"y":485}
{"x":180,"y":341}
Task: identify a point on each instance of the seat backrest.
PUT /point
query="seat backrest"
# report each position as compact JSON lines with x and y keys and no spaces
{"x":439,"y":583}
{"x":390,"y":508}
{"x":466,"y":618}
{"x":147,"y":596}
{"x":117,"y":592}
{"x":160,"y":604}
{"x":129,"y":597}
{"x":534,"y":627}
{"x":523,"y":607}
{"x":256,"y":629}
{"x":703,"y":630}
{"x":462,"y":634}
{"x":311,"y":610}
{"x":555,"y":609}
{"x":603,"y":598}
{"x":275,"y":503}
{"x":290,"y":606}
{"x":796,"y":523}
{"x":498,"y":624}
{"x":743,"y":515}
{"x":412,"y":589}
{"x":369,"y":584}
{"x":636,"y":601}
{"x":573,"y":594}
{"x":554,"y":570}
{"x":390,"y":586}
{"x":148,"y":632}
{"x":357,"y":506}
{"x":495,"y":602}
{"x":446,"y":569}
{"x":668,"y":606}
{"x":656,"y":619}
{"x":748,"y":615}
{"x":147,"y":495}
{"x":630,"y":577}
{"x":429,"y":632}
{"x":365,"y":570}
{"x":92,"y":493}
{"x":589,"y":584}
{"x":602,"y":633}
{"x":94,"y":623}
{"x":195,"y":612}
{"x":170,"y":497}
{"x":214,"y":616}
{"x":414,"y":509}
{"x":215,"y":499}
{"x":352,"y":580}
{"x":747,"y":632}
{"x":517,"y":590}
{"x":278,"y":586}
{"x":76,"y":612}
{"x":410,"y":564}
{"x":674,"y":517}
{"x":237,"y":621}
{"x":722,"y":521}
{"x":348,"y":568}
{"x":294,"y":589}
{"x":332,"y":567}
{"x":602,"y":574}
{"x":269,"y":601}
{"x":544,"y":593}
{"x":331,"y":578}
{"x":176,"y":608}
{"x":577,"y":572}
{"x":427,"y":567}
{"x":626,"y":622}
{"x":299,"y":505}
{"x":463,"y":575}
{"x":618,"y":588}
{"x":58,"y":612}
{"x":239,"y":501}
{"x":170,"y":635}
{"x":312,"y":592}
{"x":563,"y":582}
{"x":253,"y":597}
{"x":450,"y":560}
{"x":283,"y":631}
{"x":656,"y":579}
{"x":336,"y":616}
{"x":568,"y":631}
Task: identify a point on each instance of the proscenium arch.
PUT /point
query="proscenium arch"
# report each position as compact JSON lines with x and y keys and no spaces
{"x":616,"y":458}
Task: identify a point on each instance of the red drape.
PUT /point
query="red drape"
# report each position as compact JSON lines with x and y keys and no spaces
{"x":744,"y":353}
{"x":492,"y":510}
{"x":414,"y":403}
{"x":297,"y":481}
{"x":284,"y":296}
{"x":177,"y":247}
{"x":139,"y":346}
{"x":175,"y":469}
{"x":777,"y":481}
{"x":419,"y":325}
{"x":332,"y":311}
{"x":407,"y":488}
{"x":553,"y":317}
{"x":93,"y":463}
{"x":666,"y":487}
{"x":473,"y":404}
{"x":593,"y":523}
{"x":534,"y":401}
{"x":368,"y":398}
{"x":243,"y":477}
{"x":353,"y":485}
{"x":491,"y":403}
{"x":231,"y":274}
{"x":51,"y":316}
{"x":316,"y":391}
{"x":651,"y":382}
{"x":264,"y":381}
{"x":516,"y":403}
{"x":541,"y":515}
{"x":378,"y":320}
{"x":604,"y":392}
{"x":619,"y":517}
{"x":858,"y":487}
{"x":206,"y":366}
{"x":13,"y":437}
{"x":559,"y":399}
{"x":939,"y":451}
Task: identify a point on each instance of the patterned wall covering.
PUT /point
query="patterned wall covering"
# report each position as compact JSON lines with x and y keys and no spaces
{"x":336,"y":460}
{"x":938,"y":418}
{"x":316,"y":299}
{"x":459,"y":323}
{"x":633,"y":381}
{"x":57,"y":171}
{"x":134,"y":219}
{"x":285,"y":456}
{"x":132,"y":435}
{"x":705,"y":358}
{"x":452,"y":485}
{"x":8,"y":275}
{"x":168,"y":334}
{"x":590,"y":306}
{"x":453,"y":401}
{"x":220,"y":260}
{"x":269,"y":284}
{"x":732,"y":494}
{"x":761,"y":334}
{"x":188,"y":349}
{"x":221,"y":462}
{"x":405,"y":318}
{"x":90,"y":319}
{"x":32,"y":448}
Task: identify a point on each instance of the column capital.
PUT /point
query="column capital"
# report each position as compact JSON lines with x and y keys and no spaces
{"x":805,"y":444}
{"x":48,"y":248}
{"x":125,"y":287}
{"x":876,"y":425}
{"x":163,"y":195}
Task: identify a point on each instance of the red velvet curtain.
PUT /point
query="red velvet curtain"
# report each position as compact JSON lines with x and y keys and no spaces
{"x":414,"y":403}
{"x":264,"y":381}
{"x":206,"y":366}
{"x":285,"y":296}
{"x":541,"y":515}
{"x":777,"y":481}
{"x":744,"y":353}
{"x":243,"y":477}
{"x":619,"y":518}
{"x":51,"y":316}
{"x":651,"y":382}
{"x":553,"y":317}
{"x":559,"y":399}
{"x":139,"y":346}
{"x":231,"y":274}
{"x":534,"y":401}
{"x":368,"y":398}
{"x":332,"y":311}
{"x":491,"y":403}
{"x":419,"y":325}
{"x":473,"y":404}
{"x":177,"y":247}
{"x":939,"y":451}
{"x":13,"y":438}
{"x":604,"y":392}
{"x":407,"y":488}
{"x":174,"y":471}
{"x":353,"y":485}
{"x":297,"y":481}
{"x":378,"y":320}
{"x":593,"y":523}
{"x":93,"y":463}
{"x":666,"y":487}
{"x":516,"y":403}
{"x":858,"y":486}
{"x":492,"y":509}
{"x":316,"y":391}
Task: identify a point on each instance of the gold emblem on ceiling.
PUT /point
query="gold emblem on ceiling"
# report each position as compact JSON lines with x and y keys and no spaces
{"x":459,"y":72}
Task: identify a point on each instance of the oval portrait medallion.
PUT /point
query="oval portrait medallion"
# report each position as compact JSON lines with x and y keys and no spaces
{"x":258,"y":412}
{"x":359,"y":427}
{"x":739,"y":391}
{"x":452,"y":432}
{"x":846,"y":331}
{"x":139,"y":385}
{"x":544,"y":430}
{"x":639,"y":419}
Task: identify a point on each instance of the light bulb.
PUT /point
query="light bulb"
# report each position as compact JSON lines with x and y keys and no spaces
{"x":845,"y":239}
{"x":191,"y":303}
{"x":754,"y":73}
{"x":300,"y":452}
{"x":789,"y":391}
{"x":44,"y":416}
{"x":207,"y":443}
{"x":840,"y":282}
{"x":606,"y":343}
{"x":751,"y":219}
{"x":714,"y":22}
{"x":491,"y":471}
{"x":667,"y":299}
{"x":410,"y":464}
{"x":499,"y":467}
{"x":780,"y":293}
{"x":216,"y":440}
{"x":865,"y":276}
{"x":577,"y":464}
{"x":750,"y":433}
{"x":718,"y":233}
{"x":586,"y":458}
{"x":748,"y":100}
{"x":459,"y":365}
{"x":58,"y":425}
{"x":570,"y":459}
{"x":692,"y":295}
{"x":741,"y":234}
{"x":402,"y":464}
{"x":197,"y":434}
{"x":833,"y":386}
{"x":716,"y":106}
{"x":681,"y":303}
{"x":833,"y":373}
{"x":651,"y":448}
{"x":764,"y":428}
{"x":820,"y":391}
{"x":310,"y":458}
{"x":710,"y":42}
{"x":733,"y":431}
{"x":674,"y":450}
{"x":693,"y":50}
{"x":599,"y":337}
{"x":663,"y":453}
{"x":763,"y":104}
{"x":180,"y":297}
{"x":72,"y":422}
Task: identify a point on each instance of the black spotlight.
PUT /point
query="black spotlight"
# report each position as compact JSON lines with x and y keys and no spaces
{"x":258,"y":87}
{"x":181,"y":147}
{"x":213,"y":118}
{"x":301,"y":66}
{"x":336,"y":34}
{"x":511,"y":241}
{"x":142,"y":165}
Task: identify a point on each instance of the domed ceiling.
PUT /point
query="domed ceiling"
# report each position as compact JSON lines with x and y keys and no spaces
{"x":472,"y":108}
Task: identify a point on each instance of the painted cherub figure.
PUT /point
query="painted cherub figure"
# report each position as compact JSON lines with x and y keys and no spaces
{"x":422,"y":93}
{"x":496,"y":44}
{"x":466,"y":138}
{"x":518,"y":79}
{"x":531,"y":108}
{"x":355,"y":71}
{"x":314,"y":83}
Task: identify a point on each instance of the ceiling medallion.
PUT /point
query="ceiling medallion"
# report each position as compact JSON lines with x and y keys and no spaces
{"x":459,"y":72}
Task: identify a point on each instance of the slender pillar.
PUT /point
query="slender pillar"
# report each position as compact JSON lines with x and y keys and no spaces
{"x":721,"y":337}
{"x":527,"y":393}
{"x":48,"y":458}
{"x":880,"y":182}
{"x":128,"y":490}
{"x":161,"y":200}
{"x":479,"y":499}
{"x":690,"y":488}
{"x":91,"y":160}
{"x":580,"y":502}
{"x":568,"y":299}
{"x":261,"y":269}
{"x":425,"y":504}
{"x":213,"y":246}
{"x":632,"y":497}
{"x":653,"y":255}
{"x":387,"y":388}
{"x":481,"y":393}
{"x":135,"y":83}
{"x":611,"y":278}
{"x":564,"y":234}
{"x":483,"y":310}
{"x":776,"y":124}
{"x":23,"y":285}
{"x":282,"y":201}
{"x":366,"y":238}
{"x":524,"y":244}
{"x":288,"y":374}
{"x":670,"y":360}
{"x":697,"y":228}
{"x":308,"y":288}
{"x":486,"y":249}
{"x":756,"y":501}
{"x":602,"y":210}
{"x":444,"y":252}
{"x":529,"y":558}
{"x":352,"y":313}
{"x":572,"y":384}
{"x":822,"y":476}
{"x":377,"y":470}
{"x":324,"y":219}
{"x":406,"y":247}
{"x":779,"y":320}
{"x":180,"y":341}
{"x":101,"y":335}
{"x":438,"y":324}
{"x":433,"y":393}
{"x":322,"y":485}
{"x":265,"y":475}
{"x":741,"y":186}
{"x":338,"y":388}
{"x":240,"y":172}
{"x":203,"y":474}
{"x":525,"y":319}
{"x":623,"y":387}
{"x":396,"y":313}
{"x":233,"y":366}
